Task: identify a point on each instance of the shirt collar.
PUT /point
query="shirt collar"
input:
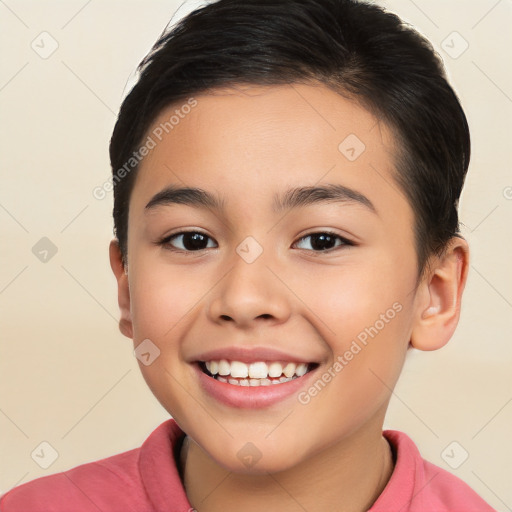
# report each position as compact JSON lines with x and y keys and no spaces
{"x":161,"y":479}
{"x":158,"y":470}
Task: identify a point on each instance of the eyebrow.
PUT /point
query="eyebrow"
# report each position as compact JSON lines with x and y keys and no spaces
{"x":191,"y":196}
{"x":292,"y":198}
{"x":330,"y":193}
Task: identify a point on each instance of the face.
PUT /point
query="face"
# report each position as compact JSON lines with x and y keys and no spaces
{"x":296,"y":255}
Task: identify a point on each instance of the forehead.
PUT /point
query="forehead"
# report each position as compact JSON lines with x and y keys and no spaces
{"x":246,"y":142}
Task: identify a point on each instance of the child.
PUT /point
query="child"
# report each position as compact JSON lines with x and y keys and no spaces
{"x":286,"y":177}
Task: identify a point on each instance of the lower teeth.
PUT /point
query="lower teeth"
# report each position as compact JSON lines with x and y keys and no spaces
{"x":253,"y":382}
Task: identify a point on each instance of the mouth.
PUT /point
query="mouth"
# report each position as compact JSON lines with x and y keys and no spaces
{"x":255,"y":374}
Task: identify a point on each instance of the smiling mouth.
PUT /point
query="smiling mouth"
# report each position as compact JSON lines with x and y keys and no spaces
{"x":260,"y":373}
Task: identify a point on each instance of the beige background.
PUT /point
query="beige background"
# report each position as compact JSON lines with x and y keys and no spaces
{"x":68,"y":377}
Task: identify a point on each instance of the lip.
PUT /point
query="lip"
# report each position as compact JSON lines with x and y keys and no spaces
{"x":250,"y":355}
{"x":251,"y":397}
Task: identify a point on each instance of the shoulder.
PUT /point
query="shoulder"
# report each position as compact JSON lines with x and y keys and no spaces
{"x":99,"y":485}
{"x":449,"y":491}
{"x":123,"y":482}
{"x":417,"y":485}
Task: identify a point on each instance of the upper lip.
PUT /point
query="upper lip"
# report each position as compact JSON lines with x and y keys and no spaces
{"x":250,"y":355}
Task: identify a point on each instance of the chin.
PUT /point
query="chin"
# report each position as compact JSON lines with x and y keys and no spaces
{"x":253,"y":459}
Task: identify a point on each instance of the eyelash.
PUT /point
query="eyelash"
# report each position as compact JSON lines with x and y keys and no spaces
{"x":165,"y":242}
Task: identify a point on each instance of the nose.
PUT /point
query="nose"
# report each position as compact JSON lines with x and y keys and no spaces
{"x":248,"y":295}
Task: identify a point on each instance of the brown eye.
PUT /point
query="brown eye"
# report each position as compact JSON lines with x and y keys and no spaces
{"x":322,"y":241}
{"x":190,"y":241}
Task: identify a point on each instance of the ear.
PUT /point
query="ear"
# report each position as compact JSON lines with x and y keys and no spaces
{"x":439,"y":297}
{"x":123,"y":290}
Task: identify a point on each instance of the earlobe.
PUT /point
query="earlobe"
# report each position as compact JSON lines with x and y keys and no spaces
{"x":439,"y":297}
{"x":123,"y":290}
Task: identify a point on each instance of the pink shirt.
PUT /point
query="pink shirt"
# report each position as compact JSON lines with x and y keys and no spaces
{"x":146,"y":479}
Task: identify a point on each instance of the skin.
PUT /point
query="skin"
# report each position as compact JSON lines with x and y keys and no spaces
{"x":245,"y":145}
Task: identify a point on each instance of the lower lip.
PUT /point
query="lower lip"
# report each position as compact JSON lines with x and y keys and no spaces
{"x":251,"y":397}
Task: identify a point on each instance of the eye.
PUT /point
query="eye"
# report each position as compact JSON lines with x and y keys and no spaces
{"x":322,"y":241}
{"x":188,"y":241}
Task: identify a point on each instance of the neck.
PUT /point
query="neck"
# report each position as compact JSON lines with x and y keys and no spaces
{"x":347,"y":477}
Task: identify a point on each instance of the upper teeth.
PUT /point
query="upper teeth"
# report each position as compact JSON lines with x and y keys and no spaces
{"x":257,"y":370}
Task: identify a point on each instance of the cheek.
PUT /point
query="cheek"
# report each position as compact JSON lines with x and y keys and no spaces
{"x":161,"y":298}
{"x":368,"y":313}
{"x":368,"y":353}
{"x":162,"y":302}
{"x":350,"y":297}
